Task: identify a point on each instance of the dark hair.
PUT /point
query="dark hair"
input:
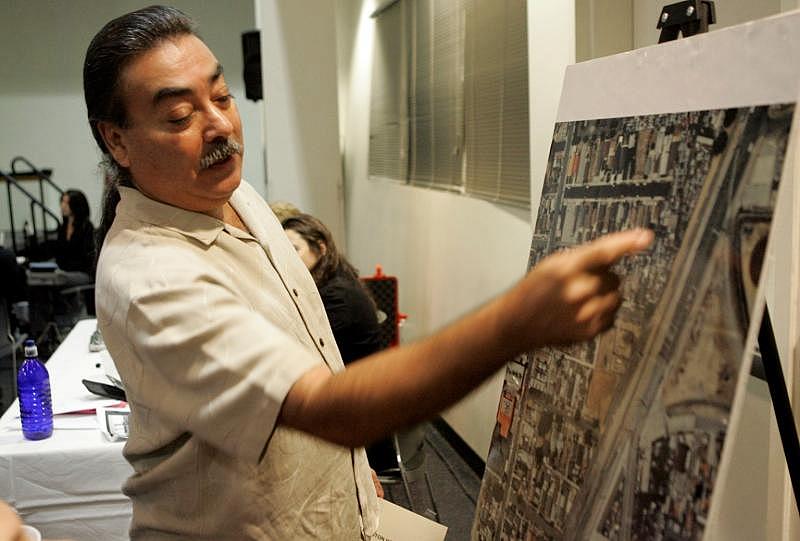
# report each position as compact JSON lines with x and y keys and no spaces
{"x":330,"y":262}
{"x":118,"y":43}
{"x":78,"y":205}
{"x":115,"y":46}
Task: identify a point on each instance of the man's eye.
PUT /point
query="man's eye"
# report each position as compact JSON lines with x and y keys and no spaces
{"x":182,"y":120}
{"x":224,"y":99}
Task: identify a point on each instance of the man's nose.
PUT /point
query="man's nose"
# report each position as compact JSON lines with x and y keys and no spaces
{"x":219,"y":125}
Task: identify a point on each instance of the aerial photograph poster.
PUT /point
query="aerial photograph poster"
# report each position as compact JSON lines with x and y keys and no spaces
{"x":620,"y":438}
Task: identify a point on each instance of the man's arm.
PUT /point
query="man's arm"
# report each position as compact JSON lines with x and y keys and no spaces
{"x":568,"y":297}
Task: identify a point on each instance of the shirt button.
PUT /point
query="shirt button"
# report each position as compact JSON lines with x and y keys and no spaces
{"x":322,"y":342}
{"x":294,"y":292}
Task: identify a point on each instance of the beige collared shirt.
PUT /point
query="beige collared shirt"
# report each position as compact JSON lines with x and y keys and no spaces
{"x":209,"y":327}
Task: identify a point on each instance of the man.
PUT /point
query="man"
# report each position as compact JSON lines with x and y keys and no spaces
{"x":244,"y":424}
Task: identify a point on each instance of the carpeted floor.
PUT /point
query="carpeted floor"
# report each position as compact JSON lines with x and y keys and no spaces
{"x":453,"y":485}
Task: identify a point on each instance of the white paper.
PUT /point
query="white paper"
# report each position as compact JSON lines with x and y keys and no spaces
{"x":400,"y":524}
{"x":83,"y":405}
{"x":113,"y":422}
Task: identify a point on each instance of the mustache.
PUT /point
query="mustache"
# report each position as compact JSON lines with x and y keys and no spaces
{"x":220,"y":151}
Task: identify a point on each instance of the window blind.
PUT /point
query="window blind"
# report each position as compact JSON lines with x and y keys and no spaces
{"x":496,"y":101}
{"x":388,"y":131}
{"x":436,"y":100}
{"x":450,"y":97}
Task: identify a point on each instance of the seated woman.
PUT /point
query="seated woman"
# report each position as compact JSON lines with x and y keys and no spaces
{"x":75,"y":249}
{"x":75,"y":253}
{"x":351,"y":311}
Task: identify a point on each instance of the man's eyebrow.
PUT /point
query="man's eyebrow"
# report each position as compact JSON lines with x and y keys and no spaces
{"x":217,"y":73}
{"x":176,"y":92}
{"x":170,"y":92}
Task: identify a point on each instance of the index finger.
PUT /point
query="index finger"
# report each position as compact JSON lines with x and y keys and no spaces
{"x":605,"y":251}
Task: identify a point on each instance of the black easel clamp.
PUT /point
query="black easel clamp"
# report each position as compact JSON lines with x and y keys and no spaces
{"x":688,"y":18}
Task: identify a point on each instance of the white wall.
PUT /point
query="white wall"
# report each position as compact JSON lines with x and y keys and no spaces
{"x":603,"y":27}
{"x":298,"y":57}
{"x":450,"y":253}
{"x":551,"y":48}
{"x":729,"y":13}
{"x":42,"y":111}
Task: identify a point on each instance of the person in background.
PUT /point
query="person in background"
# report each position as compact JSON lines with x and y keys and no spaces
{"x":351,"y":311}
{"x":284,"y":210}
{"x":13,"y":289}
{"x":13,"y":282}
{"x":75,"y":249}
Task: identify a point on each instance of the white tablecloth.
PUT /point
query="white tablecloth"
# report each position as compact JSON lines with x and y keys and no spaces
{"x":69,"y":485}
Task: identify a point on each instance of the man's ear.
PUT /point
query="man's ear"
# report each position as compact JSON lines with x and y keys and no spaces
{"x":322,"y":248}
{"x":115,"y":142}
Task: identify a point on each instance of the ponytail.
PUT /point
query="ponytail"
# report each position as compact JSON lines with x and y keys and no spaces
{"x":113,"y":177}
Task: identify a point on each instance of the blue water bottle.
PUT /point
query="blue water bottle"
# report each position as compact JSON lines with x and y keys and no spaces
{"x":35,"y":404}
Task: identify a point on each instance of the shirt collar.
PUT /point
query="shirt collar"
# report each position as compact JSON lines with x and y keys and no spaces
{"x":192,"y":224}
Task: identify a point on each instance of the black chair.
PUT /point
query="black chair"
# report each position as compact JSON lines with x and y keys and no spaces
{"x":58,"y":301}
{"x":10,"y":345}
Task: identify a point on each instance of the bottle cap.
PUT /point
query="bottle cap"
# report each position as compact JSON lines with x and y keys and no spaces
{"x":30,"y":349}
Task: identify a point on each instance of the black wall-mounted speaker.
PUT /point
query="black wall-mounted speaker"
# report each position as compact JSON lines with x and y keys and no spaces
{"x":251,"y":53}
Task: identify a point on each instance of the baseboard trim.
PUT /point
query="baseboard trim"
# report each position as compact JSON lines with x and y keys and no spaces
{"x":475,"y":462}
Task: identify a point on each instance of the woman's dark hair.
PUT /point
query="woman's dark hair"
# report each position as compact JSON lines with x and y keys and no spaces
{"x":115,"y":46}
{"x":78,"y":205}
{"x":330,"y":261}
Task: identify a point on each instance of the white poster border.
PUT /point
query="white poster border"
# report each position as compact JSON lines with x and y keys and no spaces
{"x":703,"y":72}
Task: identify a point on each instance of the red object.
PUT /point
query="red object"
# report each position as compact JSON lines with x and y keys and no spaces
{"x":505,"y":412}
{"x":383,"y":289}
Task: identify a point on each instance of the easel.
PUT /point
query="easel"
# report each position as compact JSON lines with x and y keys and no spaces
{"x":688,"y":18}
{"x":694,"y":17}
{"x":773,"y":373}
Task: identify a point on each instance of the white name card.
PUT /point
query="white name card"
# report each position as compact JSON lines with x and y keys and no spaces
{"x":400,"y":524}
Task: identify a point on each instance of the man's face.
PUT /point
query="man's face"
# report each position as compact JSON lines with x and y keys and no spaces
{"x":179,"y":111}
